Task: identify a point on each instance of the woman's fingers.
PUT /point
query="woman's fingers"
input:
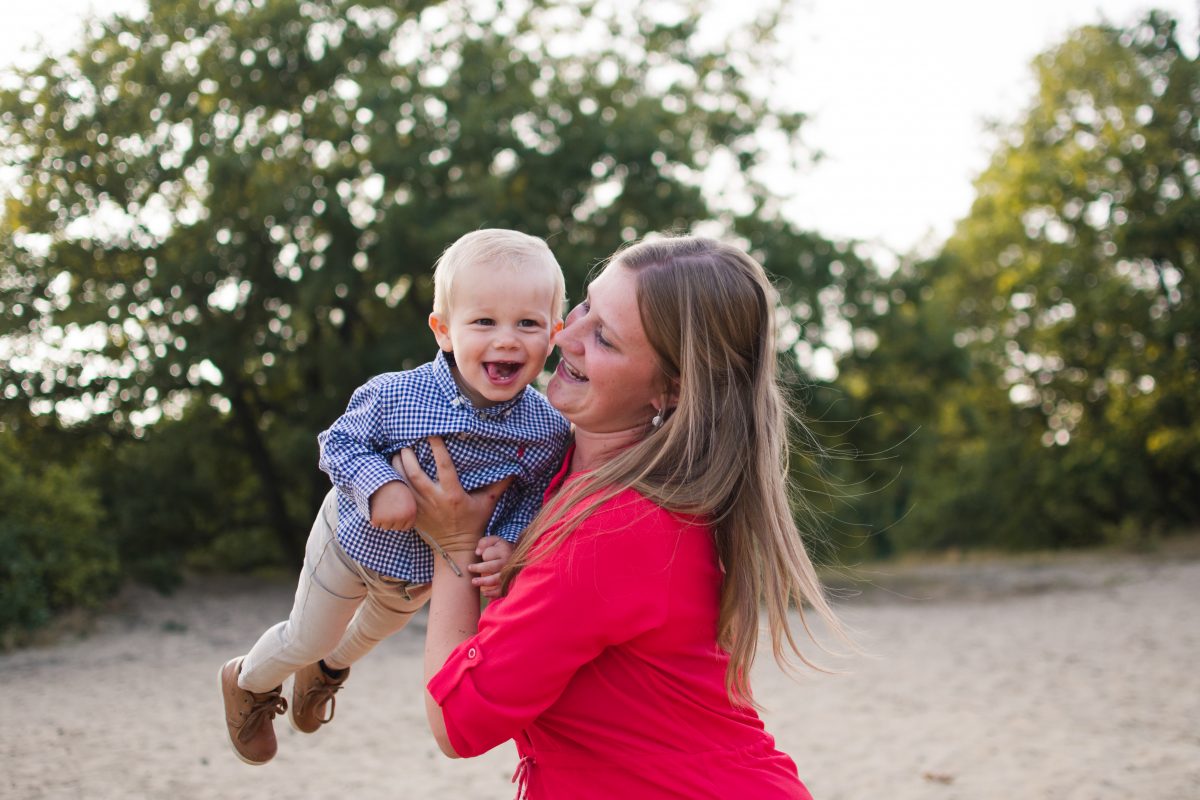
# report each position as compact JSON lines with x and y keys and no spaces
{"x":491,"y":493}
{"x":446,"y":512}
{"x":441,"y":457}
{"x":411,"y":468}
{"x":397,"y":463}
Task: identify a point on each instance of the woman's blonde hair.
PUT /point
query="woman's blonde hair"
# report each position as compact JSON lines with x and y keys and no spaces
{"x":708,"y":310}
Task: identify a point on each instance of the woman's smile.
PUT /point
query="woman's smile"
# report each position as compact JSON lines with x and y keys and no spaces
{"x":570,"y":372}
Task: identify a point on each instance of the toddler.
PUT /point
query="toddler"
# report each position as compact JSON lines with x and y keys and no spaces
{"x":498,"y":301}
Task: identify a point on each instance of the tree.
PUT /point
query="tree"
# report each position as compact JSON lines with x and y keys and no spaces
{"x":1044,"y":365}
{"x":1084,"y":238}
{"x":237,"y":204}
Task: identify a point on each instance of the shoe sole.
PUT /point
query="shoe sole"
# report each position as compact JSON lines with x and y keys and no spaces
{"x":228,"y":740}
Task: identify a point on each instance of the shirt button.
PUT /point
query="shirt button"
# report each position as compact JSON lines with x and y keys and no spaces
{"x":471,"y":653}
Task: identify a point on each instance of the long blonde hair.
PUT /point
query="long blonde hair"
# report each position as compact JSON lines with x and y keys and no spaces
{"x":708,"y":311}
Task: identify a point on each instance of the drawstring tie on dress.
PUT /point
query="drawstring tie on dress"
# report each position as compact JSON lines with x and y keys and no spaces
{"x":521,"y":777}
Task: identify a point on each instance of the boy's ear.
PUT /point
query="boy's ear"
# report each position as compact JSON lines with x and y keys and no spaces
{"x":441,"y":332}
{"x":554,"y":329}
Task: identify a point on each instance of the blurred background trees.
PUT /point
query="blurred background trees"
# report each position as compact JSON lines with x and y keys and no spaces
{"x":1042,"y":370}
{"x":227,"y":214}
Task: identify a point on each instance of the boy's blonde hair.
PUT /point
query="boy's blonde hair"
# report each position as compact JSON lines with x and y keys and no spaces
{"x":497,"y":247}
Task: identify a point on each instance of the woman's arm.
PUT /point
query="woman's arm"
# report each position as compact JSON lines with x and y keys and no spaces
{"x":610,"y":581}
{"x":455,"y":519}
{"x":453,"y":618}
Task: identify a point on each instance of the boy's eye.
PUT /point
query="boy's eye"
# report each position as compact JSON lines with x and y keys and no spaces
{"x":484,"y":321}
{"x":529,"y":323}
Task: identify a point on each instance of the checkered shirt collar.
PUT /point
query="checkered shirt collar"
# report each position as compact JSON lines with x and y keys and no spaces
{"x":443,"y":379}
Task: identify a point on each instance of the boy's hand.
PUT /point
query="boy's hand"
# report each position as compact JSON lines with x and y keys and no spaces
{"x":495,"y":553}
{"x":393,"y":507}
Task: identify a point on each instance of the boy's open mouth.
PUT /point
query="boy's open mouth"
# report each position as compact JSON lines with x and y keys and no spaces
{"x":501,"y":370}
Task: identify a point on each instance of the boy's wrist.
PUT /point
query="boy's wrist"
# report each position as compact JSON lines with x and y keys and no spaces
{"x":392,"y":506}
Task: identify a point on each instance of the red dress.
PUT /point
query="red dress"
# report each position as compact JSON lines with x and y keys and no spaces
{"x":602,"y":664}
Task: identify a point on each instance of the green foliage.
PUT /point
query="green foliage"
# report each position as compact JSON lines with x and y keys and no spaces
{"x":54,"y":552}
{"x":1038,"y":382}
{"x":182,"y":489}
{"x":228,"y":211}
{"x":1084,"y":245}
{"x":237,"y":205}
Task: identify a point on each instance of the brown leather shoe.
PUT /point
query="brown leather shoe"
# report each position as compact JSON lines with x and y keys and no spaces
{"x":249,"y":716}
{"x":312,"y":690}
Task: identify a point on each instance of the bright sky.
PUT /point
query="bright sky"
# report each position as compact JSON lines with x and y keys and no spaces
{"x":898,"y":93}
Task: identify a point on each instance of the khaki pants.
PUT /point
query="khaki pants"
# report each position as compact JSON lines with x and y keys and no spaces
{"x":342,"y":610}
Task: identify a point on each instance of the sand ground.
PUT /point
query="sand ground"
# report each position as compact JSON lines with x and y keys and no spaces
{"x":1066,"y":678}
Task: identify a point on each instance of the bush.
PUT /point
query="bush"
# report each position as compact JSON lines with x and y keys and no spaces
{"x":54,"y":552}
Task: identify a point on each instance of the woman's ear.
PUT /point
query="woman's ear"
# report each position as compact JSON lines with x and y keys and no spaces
{"x":441,"y":332}
{"x":671,"y":395}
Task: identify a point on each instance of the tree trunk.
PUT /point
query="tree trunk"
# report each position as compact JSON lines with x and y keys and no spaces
{"x":268,"y":475}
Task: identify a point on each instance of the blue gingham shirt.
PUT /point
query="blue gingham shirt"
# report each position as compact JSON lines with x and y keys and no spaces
{"x":524,"y":436}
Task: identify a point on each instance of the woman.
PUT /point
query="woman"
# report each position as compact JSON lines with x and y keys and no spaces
{"x":619,"y":658}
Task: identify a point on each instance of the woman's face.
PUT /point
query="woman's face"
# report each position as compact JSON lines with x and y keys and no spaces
{"x":608,"y":378}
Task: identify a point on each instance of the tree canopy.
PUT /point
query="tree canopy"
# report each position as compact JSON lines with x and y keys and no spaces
{"x":226,"y":215}
{"x":1045,"y":362}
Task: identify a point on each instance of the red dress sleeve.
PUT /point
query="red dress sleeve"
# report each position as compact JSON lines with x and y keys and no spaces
{"x":607,"y":583}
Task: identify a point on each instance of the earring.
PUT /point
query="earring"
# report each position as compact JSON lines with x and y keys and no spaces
{"x":657,"y":422}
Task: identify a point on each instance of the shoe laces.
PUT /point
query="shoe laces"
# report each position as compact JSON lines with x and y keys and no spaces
{"x":263,"y":711}
{"x":319,"y":694}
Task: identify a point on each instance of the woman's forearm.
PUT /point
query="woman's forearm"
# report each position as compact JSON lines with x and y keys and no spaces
{"x":453,"y":618}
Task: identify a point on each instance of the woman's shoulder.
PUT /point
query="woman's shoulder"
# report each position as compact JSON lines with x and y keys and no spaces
{"x":633,"y":507}
{"x":631,"y":515}
{"x":626,"y":543}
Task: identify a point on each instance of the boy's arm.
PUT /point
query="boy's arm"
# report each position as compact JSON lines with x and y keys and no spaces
{"x":393,"y":507}
{"x":352,"y":453}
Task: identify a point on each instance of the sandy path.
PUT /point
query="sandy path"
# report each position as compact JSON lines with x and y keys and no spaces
{"x":1071,"y":679}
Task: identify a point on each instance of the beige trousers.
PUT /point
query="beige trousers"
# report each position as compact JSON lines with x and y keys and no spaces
{"x":342,"y":610}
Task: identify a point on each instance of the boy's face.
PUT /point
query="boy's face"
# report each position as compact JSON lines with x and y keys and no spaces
{"x":500,"y":331}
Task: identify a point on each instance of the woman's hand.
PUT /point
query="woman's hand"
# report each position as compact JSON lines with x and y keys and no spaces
{"x":448,"y":515}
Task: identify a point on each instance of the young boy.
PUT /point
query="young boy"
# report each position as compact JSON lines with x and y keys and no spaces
{"x":498,"y":301}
